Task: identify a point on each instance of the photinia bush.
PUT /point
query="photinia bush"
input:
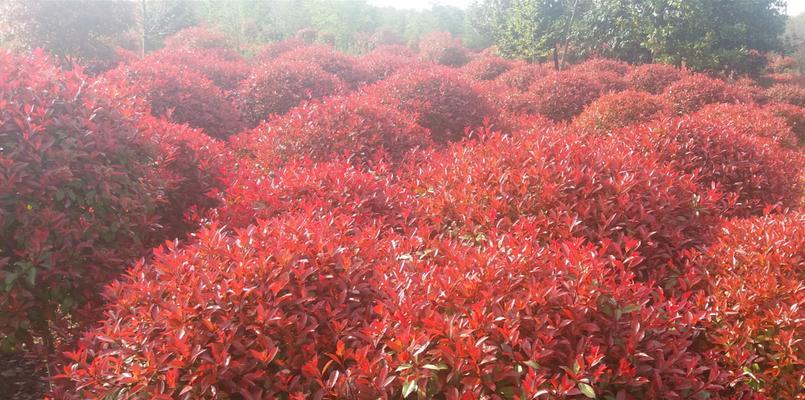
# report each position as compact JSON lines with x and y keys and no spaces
{"x":226,"y":73}
{"x":379,"y":65}
{"x":692,"y":92}
{"x":594,"y":65}
{"x":754,"y":171}
{"x":78,"y":199}
{"x":443,"y":101}
{"x":442,"y":48}
{"x":352,"y":126}
{"x":522,"y":76}
{"x":197,"y":38}
{"x":783,"y":93}
{"x":329,"y":60}
{"x":617,"y":110}
{"x":562,"y":95}
{"x":179,"y":94}
{"x":794,"y":117}
{"x":748,"y":119}
{"x":276,"y":87}
{"x":273,"y":50}
{"x":653,"y":78}
{"x":486,"y":68}
{"x":755,"y":298}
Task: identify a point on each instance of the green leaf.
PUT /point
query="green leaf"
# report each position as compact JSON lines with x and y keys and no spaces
{"x":531,"y":363}
{"x":587,"y":390}
{"x":408,"y":388}
{"x":402,"y":367}
{"x":437,"y":367}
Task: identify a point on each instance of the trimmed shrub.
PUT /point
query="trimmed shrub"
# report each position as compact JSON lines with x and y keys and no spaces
{"x":444,"y":49}
{"x":377,"y":66}
{"x":755,"y":298}
{"x":794,"y":117}
{"x":356,"y":127}
{"x":259,"y":190}
{"x":522,"y":76}
{"x":563,"y":95}
{"x":554,"y":186}
{"x":594,"y":65}
{"x":273,"y":50}
{"x":694,"y":91}
{"x":791,"y":94}
{"x":179,"y":94}
{"x":753,"y":171}
{"x":197,"y":38}
{"x":618,"y":110}
{"x":486,"y":68}
{"x":78,"y":199}
{"x":225,"y":73}
{"x":748,"y":119}
{"x":653,"y":78}
{"x":442,"y":100}
{"x":276,"y":87}
{"x":329,"y":60}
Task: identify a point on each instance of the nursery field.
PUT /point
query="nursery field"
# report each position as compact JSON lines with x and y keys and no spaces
{"x":438,"y":223}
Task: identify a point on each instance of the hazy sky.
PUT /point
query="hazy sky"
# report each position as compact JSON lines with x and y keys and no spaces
{"x":795,"y":7}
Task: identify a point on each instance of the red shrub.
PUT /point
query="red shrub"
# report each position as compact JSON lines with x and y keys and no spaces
{"x":794,"y":117}
{"x":178,"y":93}
{"x":692,"y":92}
{"x":754,"y":171}
{"x":748,"y":119}
{"x":609,"y":81}
{"x":254,"y":314}
{"x":200,"y":38}
{"x":755,"y":300}
{"x":618,"y":110}
{"x":329,"y":60}
{"x":261,"y":191}
{"x":551,"y":186}
{"x":786,"y":78}
{"x":791,"y":94}
{"x":394,"y":49}
{"x":273,"y":50}
{"x":522,"y":76}
{"x":443,"y":101}
{"x":508,"y":99}
{"x":193,"y":168}
{"x":594,"y":65}
{"x":78,"y":198}
{"x":486,"y":68}
{"x":226,"y":73}
{"x":563,"y":95}
{"x":354,"y":126}
{"x":442,"y":48}
{"x":377,"y":66}
{"x":276,"y":87}
{"x":751,"y":87}
{"x":653,"y":78}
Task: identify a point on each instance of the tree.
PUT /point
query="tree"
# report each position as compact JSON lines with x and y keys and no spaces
{"x":158,"y":19}
{"x":714,"y":35}
{"x":74,"y":29}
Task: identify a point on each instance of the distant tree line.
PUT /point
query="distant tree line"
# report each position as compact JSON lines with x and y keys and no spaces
{"x":710,"y":35}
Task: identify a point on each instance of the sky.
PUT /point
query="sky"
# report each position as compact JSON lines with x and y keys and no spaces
{"x":795,"y":7}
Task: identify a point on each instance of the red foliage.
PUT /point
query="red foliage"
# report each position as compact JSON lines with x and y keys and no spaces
{"x":78,"y":197}
{"x":379,"y":65}
{"x":442,"y":100}
{"x":754,"y":171}
{"x":355,"y":127}
{"x":486,"y":68}
{"x":594,"y":65}
{"x":442,"y":48}
{"x":748,"y":119}
{"x":260,"y":191}
{"x":178,"y":93}
{"x":200,"y":38}
{"x":794,"y":117}
{"x":273,"y":50}
{"x":755,"y":297}
{"x":563,"y":95}
{"x":522,"y":76}
{"x":226,"y":73}
{"x":276,"y":87}
{"x":653,"y":78}
{"x":694,"y":91}
{"x":552,"y":186}
{"x":329,"y":60}
{"x":791,"y":94}
{"x":618,"y":110}
{"x":193,"y":168}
